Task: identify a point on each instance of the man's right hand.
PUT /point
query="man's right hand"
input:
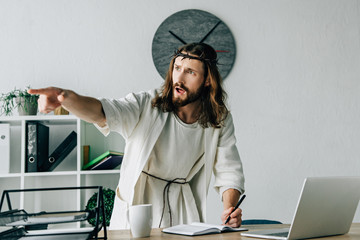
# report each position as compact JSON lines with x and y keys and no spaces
{"x":50,"y":98}
{"x":87,"y":108}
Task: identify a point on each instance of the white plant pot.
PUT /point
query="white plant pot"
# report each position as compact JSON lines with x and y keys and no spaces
{"x":26,"y":107}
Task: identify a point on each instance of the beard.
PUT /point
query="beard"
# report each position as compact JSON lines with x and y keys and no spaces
{"x":191,"y":96}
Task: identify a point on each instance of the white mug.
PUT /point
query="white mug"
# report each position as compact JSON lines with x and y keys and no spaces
{"x":140,"y":219}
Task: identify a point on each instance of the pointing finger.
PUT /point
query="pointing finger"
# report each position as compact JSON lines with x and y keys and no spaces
{"x":37,"y":91}
{"x":45,"y":91}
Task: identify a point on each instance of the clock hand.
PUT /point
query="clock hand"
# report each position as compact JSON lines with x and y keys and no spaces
{"x":202,"y":40}
{"x":177,"y":37}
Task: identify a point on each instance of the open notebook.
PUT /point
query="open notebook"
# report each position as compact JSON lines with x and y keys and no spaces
{"x":197,"y":228}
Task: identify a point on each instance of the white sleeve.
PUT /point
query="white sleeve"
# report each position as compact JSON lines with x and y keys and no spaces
{"x":122,"y":115}
{"x":228,"y":170}
{"x":104,"y":130}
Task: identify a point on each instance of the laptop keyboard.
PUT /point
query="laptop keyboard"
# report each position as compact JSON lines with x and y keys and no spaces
{"x":279,"y":234}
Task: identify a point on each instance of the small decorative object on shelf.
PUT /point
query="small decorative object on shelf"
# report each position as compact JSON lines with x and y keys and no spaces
{"x":20,"y":99}
{"x":109,"y":196}
{"x":61,"y":111}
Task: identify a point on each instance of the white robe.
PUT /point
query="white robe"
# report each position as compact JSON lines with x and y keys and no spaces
{"x":140,"y":125}
{"x":177,"y":156}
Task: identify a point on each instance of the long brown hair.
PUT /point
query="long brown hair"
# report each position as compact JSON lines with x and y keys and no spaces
{"x":213,"y":109}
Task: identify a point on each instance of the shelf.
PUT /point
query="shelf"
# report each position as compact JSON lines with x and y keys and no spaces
{"x":68,"y":173}
{"x":10,"y":175}
{"x":38,"y":118}
{"x":94,"y":172}
{"x":54,"y":173}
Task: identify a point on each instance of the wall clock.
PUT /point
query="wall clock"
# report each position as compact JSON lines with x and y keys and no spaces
{"x":189,"y":26}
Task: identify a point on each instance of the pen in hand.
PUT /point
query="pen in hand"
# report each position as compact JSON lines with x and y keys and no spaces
{"x":237,"y":205}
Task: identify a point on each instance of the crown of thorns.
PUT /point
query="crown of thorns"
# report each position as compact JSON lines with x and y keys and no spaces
{"x":177,"y":53}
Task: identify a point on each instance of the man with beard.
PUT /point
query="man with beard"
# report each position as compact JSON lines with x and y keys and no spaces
{"x":176,"y":137}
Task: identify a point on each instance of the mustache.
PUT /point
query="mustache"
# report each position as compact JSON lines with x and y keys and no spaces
{"x":181,"y":86}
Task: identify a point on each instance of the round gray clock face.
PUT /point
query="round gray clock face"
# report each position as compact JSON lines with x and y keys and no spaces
{"x":190,"y":26}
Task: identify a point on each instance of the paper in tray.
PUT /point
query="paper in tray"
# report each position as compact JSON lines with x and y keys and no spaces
{"x":66,"y":234}
{"x":12,"y":216}
{"x":51,"y":218}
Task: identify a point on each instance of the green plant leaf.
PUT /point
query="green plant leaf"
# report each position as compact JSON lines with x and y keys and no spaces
{"x":109,"y":196}
{"x":8,"y":103}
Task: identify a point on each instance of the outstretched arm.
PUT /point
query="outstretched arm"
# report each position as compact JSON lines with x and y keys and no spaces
{"x":87,"y":108}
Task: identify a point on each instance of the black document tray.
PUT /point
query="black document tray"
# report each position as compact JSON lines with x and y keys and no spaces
{"x":21,"y":221}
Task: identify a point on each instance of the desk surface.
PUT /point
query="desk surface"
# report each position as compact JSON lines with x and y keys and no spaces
{"x":156,"y":233}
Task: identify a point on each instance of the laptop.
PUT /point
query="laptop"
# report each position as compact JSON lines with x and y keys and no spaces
{"x":326,"y":207}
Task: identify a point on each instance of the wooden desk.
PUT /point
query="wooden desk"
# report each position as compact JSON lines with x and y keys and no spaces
{"x":156,"y":234}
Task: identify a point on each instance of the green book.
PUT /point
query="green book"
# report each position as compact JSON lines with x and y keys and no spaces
{"x":101,"y":157}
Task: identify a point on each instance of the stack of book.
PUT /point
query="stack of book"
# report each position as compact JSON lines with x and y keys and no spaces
{"x":37,"y":148}
{"x":107,"y":160}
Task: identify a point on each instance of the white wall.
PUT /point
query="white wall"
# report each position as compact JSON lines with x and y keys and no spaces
{"x":294,"y":90}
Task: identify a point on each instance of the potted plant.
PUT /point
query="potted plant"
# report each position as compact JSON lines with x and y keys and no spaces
{"x":20,"y":99}
{"x":108,"y":195}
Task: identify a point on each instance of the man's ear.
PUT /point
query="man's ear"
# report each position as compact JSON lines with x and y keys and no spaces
{"x":207,"y":82}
